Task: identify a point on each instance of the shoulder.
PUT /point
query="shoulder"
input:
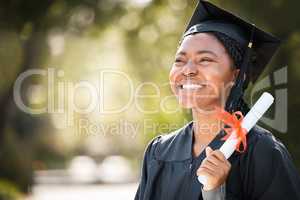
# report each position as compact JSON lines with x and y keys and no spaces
{"x":262,"y":139}
{"x":174,"y":146}
{"x":264,"y":149}
{"x":268,"y":164}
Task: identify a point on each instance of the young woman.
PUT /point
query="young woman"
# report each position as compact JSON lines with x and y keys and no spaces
{"x":217,"y":58}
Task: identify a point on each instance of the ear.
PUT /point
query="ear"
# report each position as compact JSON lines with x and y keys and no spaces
{"x":235,"y":74}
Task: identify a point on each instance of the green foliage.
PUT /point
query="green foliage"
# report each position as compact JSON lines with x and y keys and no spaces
{"x":8,"y":191}
{"x":15,"y":162}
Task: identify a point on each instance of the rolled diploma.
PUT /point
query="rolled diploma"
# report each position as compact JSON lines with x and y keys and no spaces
{"x":249,"y":121}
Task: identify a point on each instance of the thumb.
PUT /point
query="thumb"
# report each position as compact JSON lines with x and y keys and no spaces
{"x":208,"y":151}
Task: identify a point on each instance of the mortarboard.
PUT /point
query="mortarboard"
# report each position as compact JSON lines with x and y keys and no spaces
{"x":208,"y":17}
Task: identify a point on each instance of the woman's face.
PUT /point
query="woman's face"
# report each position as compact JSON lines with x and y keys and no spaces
{"x":203,"y":73}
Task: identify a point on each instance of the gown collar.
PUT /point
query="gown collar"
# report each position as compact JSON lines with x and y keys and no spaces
{"x":177,"y":146}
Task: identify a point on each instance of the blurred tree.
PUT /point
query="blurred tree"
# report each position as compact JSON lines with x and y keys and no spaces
{"x":30,"y":22}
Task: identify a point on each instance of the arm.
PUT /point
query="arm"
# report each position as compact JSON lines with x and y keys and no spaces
{"x":216,"y":168}
{"x":215,"y":194}
{"x":144,"y":172}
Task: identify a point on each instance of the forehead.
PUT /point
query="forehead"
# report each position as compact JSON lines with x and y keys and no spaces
{"x":201,"y":42}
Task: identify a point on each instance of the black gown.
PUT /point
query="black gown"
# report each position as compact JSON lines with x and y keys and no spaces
{"x":264,"y":172}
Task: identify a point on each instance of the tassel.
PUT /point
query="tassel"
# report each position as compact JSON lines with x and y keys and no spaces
{"x":237,"y":91}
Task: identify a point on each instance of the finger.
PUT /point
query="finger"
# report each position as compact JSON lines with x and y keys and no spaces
{"x":216,"y":170}
{"x":205,"y":171}
{"x":218,"y":161}
{"x":208,"y":151}
{"x":216,"y":164}
{"x":228,"y":164}
{"x":219,"y":155}
{"x":214,"y":160}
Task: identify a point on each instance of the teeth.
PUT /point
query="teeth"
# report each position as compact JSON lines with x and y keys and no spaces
{"x":191,"y":86}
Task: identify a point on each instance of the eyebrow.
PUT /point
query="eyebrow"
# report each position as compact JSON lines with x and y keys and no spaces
{"x":199,"y":52}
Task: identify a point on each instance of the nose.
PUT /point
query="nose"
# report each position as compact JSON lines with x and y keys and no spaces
{"x":190,"y":69}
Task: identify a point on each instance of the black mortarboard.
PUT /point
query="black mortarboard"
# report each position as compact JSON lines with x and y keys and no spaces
{"x":209,"y":18}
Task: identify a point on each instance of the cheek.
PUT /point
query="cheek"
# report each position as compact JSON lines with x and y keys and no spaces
{"x":219,"y":79}
{"x":173,"y":76}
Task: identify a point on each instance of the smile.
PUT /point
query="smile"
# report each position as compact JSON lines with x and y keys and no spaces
{"x":191,"y":86}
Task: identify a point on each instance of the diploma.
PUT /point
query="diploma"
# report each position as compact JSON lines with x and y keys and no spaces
{"x":249,"y":121}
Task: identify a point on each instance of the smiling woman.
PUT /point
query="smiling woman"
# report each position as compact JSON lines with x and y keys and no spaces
{"x":202,"y":68}
{"x":217,"y":57}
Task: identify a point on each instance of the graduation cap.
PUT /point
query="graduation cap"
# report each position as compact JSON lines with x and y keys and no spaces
{"x":209,"y":18}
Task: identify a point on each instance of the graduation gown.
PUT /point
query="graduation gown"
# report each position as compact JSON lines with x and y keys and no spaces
{"x":264,"y":172}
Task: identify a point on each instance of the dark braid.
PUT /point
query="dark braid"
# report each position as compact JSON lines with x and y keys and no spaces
{"x":232,"y":47}
{"x":236,"y":52}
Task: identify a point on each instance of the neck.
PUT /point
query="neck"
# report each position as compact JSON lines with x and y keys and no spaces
{"x":206,"y":126}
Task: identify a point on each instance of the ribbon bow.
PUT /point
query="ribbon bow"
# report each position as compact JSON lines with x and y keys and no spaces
{"x":234,"y":121}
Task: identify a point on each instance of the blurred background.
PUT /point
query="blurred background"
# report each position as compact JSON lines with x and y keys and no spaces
{"x":84,"y":87}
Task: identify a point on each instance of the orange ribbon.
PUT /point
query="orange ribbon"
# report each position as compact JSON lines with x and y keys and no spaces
{"x":234,"y":121}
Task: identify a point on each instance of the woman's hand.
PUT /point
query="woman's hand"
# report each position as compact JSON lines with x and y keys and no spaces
{"x":215,"y":167}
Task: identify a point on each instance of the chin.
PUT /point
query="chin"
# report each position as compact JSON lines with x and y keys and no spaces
{"x":186,"y":105}
{"x":192,"y":104}
{"x":204,"y":105}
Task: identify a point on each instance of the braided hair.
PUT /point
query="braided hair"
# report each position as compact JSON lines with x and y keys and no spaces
{"x":236,"y":52}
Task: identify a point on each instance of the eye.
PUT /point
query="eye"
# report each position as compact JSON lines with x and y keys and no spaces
{"x":179,"y":61}
{"x":205,"y":61}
